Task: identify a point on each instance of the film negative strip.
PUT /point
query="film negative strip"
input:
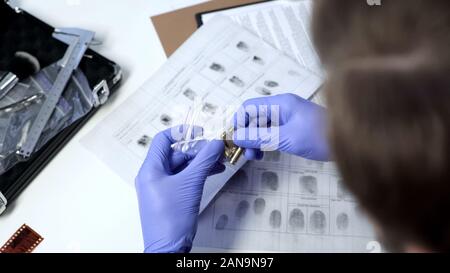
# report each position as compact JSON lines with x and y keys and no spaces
{"x":25,"y":240}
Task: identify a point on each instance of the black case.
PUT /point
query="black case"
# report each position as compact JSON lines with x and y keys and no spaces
{"x":20,"y":31}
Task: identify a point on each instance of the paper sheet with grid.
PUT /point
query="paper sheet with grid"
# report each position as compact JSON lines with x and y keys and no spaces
{"x":288,"y":204}
{"x":223,"y":64}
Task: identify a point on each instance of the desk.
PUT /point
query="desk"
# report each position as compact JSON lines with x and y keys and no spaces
{"x":77,"y":204}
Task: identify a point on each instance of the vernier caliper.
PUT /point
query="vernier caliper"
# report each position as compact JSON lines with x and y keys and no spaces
{"x":7,"y":81}
{"x":78,"y":41}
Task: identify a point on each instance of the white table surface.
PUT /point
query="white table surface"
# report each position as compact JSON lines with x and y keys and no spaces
{"x":77,"y":203}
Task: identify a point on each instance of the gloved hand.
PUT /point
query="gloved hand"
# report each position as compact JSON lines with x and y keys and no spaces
{"x":169,"y":188}
{"x":285,"y":123}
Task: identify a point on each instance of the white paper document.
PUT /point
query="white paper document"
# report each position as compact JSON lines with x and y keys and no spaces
{"x":285,"y":204}
{"x":223,"y":64}
{"x":282,"y":203}
{"x":284,"y":24}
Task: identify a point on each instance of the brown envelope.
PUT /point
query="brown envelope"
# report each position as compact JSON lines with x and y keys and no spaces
{"x":175,"y":27}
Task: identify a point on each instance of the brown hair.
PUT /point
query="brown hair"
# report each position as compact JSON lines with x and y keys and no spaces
{"x":388,"y":96}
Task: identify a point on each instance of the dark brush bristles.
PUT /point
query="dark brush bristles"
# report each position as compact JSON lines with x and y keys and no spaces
{"x":24,"y":65}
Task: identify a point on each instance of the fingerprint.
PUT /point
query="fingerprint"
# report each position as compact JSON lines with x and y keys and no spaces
{"x":166,"y":120}
{"x":258,"y":60}
{"x":242,"y":209}
{"x":209,"y":108}
{"x":263,"y":91}
{"x":342,"y":221}
{"x":259,"y":205}
{"x":217,"y":67}
{"x":271,"y":84}
{"x":190,"y":94}
{"x":242,"y":46}
{"x":239,"y":180}
{"x":317,"y":222}
{"x":269,"y":181}
{"x":275,"y":219}
{"x":294,"y":73}
{"x":237,"y":81}
{"x":297,"y":219}
{"x":308,"y":185}
{"x":144,"y":140}
{"x":222,"y":222}
{"x":272,"y":156}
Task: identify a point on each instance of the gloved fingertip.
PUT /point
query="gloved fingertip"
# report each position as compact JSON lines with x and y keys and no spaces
{"x":241,"y":138}
{"x":250,"y":154}
{"x":205,"y":160}
{"x":259,"y":155}
{"x":212,"y":152}
{"x":216,"y":147}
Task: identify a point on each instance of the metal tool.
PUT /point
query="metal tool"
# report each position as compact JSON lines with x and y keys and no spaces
{"x":7,"y":81}
{"x":232,"y":152}
{"x":78,"y":41}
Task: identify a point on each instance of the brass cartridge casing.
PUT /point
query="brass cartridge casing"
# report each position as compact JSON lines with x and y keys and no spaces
{"x":232,"y":152}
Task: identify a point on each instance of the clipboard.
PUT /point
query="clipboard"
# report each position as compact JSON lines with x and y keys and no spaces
{"x":175,"y":27}
{"x":198,"y":16}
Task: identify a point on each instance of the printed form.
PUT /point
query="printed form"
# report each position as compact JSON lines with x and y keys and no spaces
{"x":282,"y":203}
{"x":223,"y":65}
{"x":283,"y":24}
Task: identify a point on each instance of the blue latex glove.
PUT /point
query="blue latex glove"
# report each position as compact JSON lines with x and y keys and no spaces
{"x":297,"y":127}
{"x":169,"y":188}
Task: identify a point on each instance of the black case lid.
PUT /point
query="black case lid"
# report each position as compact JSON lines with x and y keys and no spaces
{"x":23,"y":32}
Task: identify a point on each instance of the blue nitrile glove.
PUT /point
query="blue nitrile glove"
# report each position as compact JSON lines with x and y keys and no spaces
{"x":284,"y":123}
{"x":169,"y":188}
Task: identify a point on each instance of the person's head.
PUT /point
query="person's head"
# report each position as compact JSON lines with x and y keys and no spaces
{"x":388,"y":94}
